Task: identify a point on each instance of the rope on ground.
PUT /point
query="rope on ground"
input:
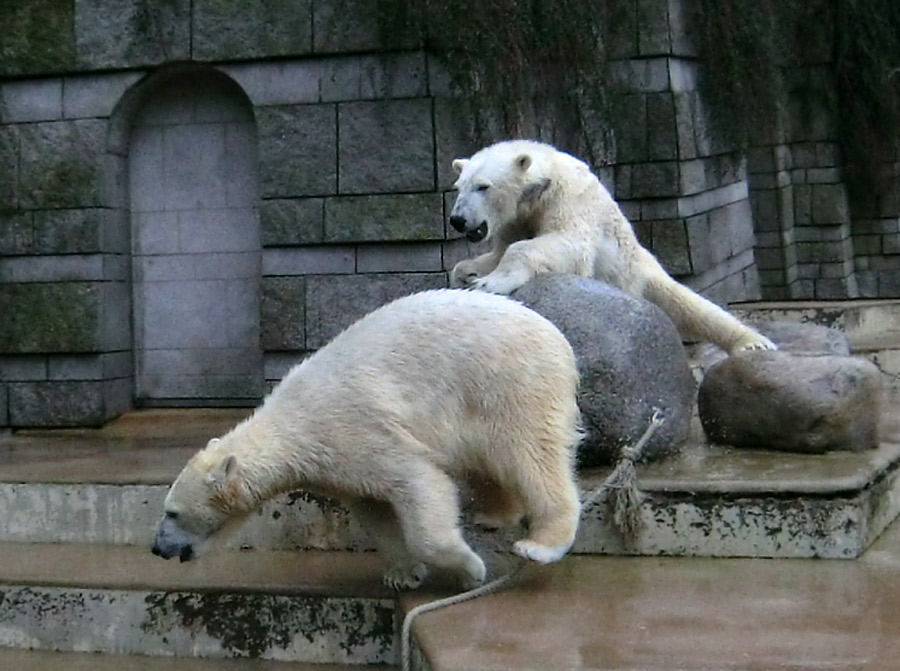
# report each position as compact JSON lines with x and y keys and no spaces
{"x":626,"y":505}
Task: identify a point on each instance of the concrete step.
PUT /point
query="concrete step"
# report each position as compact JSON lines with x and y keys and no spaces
{"x":310,"y":607}
{"x":42,"y":660}
{"x":708,"y":500}
{"x":690,"y":614}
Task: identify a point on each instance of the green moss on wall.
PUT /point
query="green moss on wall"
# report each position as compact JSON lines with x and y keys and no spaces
{"x":37,"y":36}
{"x":50,"y":317}
{"x":513,"y":57}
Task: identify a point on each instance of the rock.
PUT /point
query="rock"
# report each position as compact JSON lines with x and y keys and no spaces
{"x":630,"y":358}
{"x":789,"y":336}
{"x":792,"y":401}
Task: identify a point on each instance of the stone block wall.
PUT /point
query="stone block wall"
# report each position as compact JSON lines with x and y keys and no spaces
{"x":355,"y":136}
{"x":685,"y":191}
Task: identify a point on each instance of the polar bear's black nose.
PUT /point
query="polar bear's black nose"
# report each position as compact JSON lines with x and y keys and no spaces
{"x":459,"y":223}
{"x":478,"y":234}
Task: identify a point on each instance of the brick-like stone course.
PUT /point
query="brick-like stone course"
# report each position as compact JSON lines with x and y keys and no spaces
{"x":386,"y":147}
{"x":384,"y":218}
{"x":51,"y":317}
{"x":297,"y":150}
{"x":335,"y":302}
{"x":355,"y":133}
{"x":234,"y":29}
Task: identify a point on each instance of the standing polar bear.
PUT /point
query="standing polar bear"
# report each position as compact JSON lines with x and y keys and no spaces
{"x":545,"y":211}
{"x":430,"y":390}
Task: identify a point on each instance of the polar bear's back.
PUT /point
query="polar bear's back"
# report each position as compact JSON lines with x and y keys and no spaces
{"x":444,"y":366}
{"x":447,"y":330}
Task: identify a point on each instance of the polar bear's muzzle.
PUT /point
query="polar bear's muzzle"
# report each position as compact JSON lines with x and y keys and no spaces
{"x":472,"y":234}
{"x":171,"y":541}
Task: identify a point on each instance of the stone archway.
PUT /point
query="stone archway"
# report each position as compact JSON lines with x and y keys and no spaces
{"x":193,"y":192}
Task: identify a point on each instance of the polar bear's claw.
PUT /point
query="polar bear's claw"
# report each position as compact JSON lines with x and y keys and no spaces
{"x":754,"y":343}
{"x":400,"y":578}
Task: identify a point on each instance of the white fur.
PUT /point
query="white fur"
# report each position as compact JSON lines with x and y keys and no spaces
{"x":427,"y":391}
{"x":545,"y":211}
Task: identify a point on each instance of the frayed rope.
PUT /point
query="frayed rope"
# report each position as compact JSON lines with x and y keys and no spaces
{"x":622,"y":482}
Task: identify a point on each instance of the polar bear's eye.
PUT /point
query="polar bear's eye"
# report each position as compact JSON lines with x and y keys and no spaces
{"x":172,"y":515}
{"x":482,"y":187}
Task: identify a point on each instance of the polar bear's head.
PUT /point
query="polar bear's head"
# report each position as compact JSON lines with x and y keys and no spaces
{"x":498,"y":186}
{"x":207,"y":494}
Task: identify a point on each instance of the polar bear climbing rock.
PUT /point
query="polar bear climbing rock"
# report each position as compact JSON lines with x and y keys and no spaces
{"x":424,"y":393}
{"x":545,"y":211}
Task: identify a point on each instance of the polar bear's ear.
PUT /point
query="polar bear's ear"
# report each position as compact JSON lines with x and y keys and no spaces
{"x":523,"y":162}
{"x":534,"y":190}
{"x":226,"y":468}
{"x":459,"y":164}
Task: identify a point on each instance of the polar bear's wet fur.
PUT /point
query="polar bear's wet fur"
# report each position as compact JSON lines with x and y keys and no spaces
{"x":545,"y":211}
{"x":390,"y":417}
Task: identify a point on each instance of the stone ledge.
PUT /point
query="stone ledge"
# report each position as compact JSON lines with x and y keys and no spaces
{"x":319,"y":607}
{"x":707,"y":501}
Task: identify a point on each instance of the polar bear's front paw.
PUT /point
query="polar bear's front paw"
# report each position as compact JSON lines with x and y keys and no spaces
{"x":497,"y":284}
{"x":473,"y":574}
{"x":542,"y":554}
{"x":401,"y":578}
{"x":752,"y":342}
{"x":462,"y":276}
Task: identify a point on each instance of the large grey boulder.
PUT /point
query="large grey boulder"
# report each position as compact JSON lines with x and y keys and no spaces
{"x":799,"y":402}
{"x":630,"y":358}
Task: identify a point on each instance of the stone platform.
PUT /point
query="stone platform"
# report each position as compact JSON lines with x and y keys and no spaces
{"x":107,"y":486}
{"x":78,"y":509}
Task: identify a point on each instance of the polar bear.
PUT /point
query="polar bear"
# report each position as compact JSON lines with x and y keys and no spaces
{"x":545,"y":211}
{"x":432,"y":390}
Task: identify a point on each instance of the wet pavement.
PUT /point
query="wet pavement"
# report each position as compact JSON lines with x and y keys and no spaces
{"x":145,"y":447}
{"x":689,"y":614}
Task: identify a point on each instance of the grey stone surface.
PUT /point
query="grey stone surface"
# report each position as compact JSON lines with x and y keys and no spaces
{"x":806,"y":338}
{"x":60,"y":164}
{"x":351,"y":26}
{"x":631,"y":361}
{"x":662,"y":137}
{"x":205,"y":624}
{"x":399,"y":257}
{"x":670,"y":245}
{"x":95,"y":95}
{"x":283,"y":314}
{"x":9,"y":167}
{"x":297,"y":150}
{"x":23,"y":367}
{"x":383,"y":218}
{"x":50,"y":317}
{"x":29,"y":101}
{"x":386,"y":146}
{"x":335,"y":302}
{"x":294,"y":221}
{"x":137,"y":33}
{"x":310,"y":260}
{"x":645,"y":75}
{"x":56,"y":404}
{"x":75,"y":231}
{"x":792,"y":401}
{"x":64,"y":268}
{"x":16,"y":233}
{"x":196,"y":252}
{"x":236,"y":29}
{"x":38,"y":37}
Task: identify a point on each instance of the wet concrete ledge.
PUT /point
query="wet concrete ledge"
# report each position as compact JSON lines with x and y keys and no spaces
{"x":691,"y":614}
